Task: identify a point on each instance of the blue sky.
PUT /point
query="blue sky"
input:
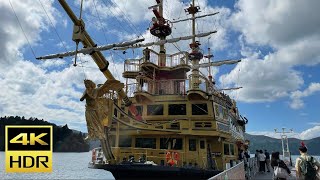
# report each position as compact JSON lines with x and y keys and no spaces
{"x":278,"y":42}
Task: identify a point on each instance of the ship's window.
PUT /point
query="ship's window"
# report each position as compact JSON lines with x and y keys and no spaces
{"x":177,"y":109}
{"x":139,"y":110}
{"x":226,"y":149}
{"x":220,"y":111}
{"x":171,"y":143}
{"x":115,"y":112}
{"x":155,"y":109}
{"x":216,"y":110}
{"x":232,"y":149}
{"x":146,"y":143}
{"x":199,"y":109}
{"x":202,"y":145}
{"x":225,"y":114}
{"x":192,"y":144}
{"x":125,"y":141}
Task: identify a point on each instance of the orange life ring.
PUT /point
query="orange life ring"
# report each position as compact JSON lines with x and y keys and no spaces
{"x":176,"y":156}
{"x":168,"y":156}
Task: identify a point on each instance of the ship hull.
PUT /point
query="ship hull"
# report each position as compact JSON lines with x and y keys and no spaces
{"x":148,"y":171}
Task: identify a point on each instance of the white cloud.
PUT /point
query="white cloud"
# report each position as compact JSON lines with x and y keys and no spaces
{"x":310,"y":133}
{"x":304,"y":135}
{"x":293,"y":38}
{"x":314,"y":123}
{"x":297,"y":96}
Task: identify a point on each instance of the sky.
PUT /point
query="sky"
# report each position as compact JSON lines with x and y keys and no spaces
{"x":277,"y":41}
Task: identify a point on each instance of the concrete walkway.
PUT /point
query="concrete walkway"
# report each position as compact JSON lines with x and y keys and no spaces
{"x":268,"y":175}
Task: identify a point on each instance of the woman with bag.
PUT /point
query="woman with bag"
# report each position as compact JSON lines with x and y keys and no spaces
{"x":281,"y":170}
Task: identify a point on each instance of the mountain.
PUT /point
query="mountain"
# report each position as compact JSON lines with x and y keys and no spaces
{"x":273,"y":144}
{"x":64,"y":139}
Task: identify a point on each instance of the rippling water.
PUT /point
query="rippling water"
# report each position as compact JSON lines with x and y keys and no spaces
{"x":65,"y":166}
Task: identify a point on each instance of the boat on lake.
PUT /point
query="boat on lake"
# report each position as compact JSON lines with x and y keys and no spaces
{"x":172,"y":122}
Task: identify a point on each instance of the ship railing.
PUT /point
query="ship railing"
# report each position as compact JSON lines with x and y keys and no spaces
{"x":159,"y":157}
{"x":159,"y":87}
{"x":132,"y":65}
{"x":235,"y":172}
{"x":199,"y":82}
{"x":251,"y":167}
{"x":180,"y":58}
{"x":172,"y":60}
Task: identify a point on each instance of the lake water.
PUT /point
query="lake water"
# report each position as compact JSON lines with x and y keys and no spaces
{"x":65,"y":166}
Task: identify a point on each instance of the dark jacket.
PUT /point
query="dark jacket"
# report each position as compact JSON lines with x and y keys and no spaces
{"x":280,"y":163}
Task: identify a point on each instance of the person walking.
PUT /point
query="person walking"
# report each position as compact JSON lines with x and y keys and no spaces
{"x":262,"y":160}
{"x":267,"y":159}
{"x":276,"y":162}
{"x":307,"y":167}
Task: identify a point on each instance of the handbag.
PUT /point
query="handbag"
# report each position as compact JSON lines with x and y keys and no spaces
{"x":280,"y":172}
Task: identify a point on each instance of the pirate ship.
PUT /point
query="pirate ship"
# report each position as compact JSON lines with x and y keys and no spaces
{"x":173,"y":121}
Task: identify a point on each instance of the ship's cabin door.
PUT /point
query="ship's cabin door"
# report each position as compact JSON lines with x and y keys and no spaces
{"x":203,"y":153}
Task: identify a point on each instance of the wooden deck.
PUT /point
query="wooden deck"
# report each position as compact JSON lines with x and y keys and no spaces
{"x":268,"y":175}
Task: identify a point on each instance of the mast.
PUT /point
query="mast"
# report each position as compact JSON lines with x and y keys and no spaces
{"x":195,"y":56}
{"x":162,"y":49}
{"x":193,"y":24}
{"x":161,"y":29}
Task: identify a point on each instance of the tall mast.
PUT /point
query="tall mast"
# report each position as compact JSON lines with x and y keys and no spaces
{"x":162,"y":50}
{"x":161,"y":29}
{"x":193,"y":25}
{"x":195,"y":55}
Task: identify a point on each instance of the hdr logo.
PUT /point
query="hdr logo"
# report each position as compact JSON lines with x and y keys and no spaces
{"x":29,"y":148}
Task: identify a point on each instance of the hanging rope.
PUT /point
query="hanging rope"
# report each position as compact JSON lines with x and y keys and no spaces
{"x":34,"y":54}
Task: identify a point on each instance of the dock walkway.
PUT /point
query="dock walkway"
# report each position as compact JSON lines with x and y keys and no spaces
{"x":269,"y":175}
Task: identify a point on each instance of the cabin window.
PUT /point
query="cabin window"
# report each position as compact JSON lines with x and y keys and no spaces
{"x":139,"y":110}
{"x":125,"y":141}
{"x":146,"y":143}
{"x":177,"y":109}
{"x":171,"y":143}
{"x":199,"y":109}
{"x":220,"y":111}
{"x":155,"y":109}
{"x":226,"y":149}
{"x":202,"y":144}
{"x":115,"y":112}
{"x":216,"y":110}
{"x":225,"y":114}
{"x":192,"y":144}
{"x":231,"y":149}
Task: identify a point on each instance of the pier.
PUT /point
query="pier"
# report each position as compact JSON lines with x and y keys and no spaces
{"x":251,"y":172}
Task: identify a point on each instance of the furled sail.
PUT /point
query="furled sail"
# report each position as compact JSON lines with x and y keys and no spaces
{"x":90,"y":50}
{"x":218,"y":63}
{"x":162,"y":42}
{"x":194,"y":17}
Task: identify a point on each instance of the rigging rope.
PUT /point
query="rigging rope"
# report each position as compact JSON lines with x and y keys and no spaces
{"x":125,"y":17}
{"x":55,"y":30}
{"x":34,"y":54}
{"x":103,"y":29}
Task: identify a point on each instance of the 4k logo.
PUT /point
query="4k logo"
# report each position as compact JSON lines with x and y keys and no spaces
{"x":29,"y":148}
